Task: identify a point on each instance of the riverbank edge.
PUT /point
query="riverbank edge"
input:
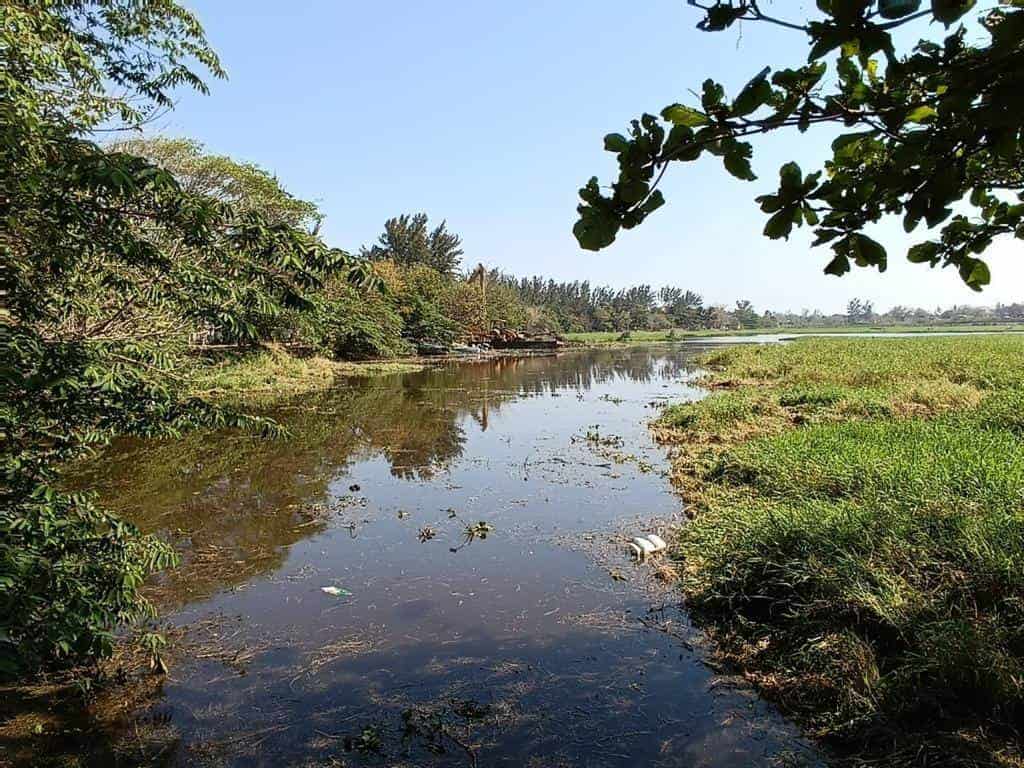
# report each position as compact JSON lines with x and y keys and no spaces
{"x":697,"y":467}
{"x":614,"y":339}
{"x":268,"y":373}
{"x":271,"y":372}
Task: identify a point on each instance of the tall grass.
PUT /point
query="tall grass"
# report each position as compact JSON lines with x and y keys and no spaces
{"x":866,"y":566}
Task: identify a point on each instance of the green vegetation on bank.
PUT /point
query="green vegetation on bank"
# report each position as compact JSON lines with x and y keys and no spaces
{"x":273,"y":374}
{"x":857,"y":547}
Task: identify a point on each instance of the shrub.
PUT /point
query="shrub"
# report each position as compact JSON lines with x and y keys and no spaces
{"x":352,"y":324}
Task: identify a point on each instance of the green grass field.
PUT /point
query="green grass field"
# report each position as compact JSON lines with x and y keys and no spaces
{"x":857,"y":548}
{"x":600,"y":338}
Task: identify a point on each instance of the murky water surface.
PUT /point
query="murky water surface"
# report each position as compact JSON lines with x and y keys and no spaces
{"x":521,"y":646}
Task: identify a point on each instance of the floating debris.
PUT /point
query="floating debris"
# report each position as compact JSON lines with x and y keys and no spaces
{"x":335,"y":591}
{"x":478,"y":530}
{"x":642,"y":547}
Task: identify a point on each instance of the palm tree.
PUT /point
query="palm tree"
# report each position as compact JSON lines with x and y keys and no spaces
{"x":479,"y":276}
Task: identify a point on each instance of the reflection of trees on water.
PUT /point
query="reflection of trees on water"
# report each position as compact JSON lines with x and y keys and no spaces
{"x":235,"y":502}
{"x":578,"y":371}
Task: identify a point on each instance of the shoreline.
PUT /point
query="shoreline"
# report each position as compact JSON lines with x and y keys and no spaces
{"x":639,"y":338}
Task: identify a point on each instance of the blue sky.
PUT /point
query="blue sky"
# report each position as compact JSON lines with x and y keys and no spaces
{"x":491,"y":115}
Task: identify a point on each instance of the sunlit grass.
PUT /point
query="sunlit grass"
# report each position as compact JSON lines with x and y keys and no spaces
{"x":863,"y":558}
{"x":270,"y":374}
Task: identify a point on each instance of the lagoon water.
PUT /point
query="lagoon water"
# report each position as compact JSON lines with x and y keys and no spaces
{"x":537,"y":643}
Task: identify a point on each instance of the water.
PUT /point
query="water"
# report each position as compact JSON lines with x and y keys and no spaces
{"x":521,"y":648}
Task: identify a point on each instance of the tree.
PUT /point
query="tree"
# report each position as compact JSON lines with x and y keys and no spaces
{"x":246,"y":187}
{"x":688,"y":310}
{"x":248,"y":190}
{"x":937,"y":140}
{"x":717,"y":317}
{"x":860,"y":311}
{"x":745,"y":314}
{"x":77,"y":215}
{"x":407,"y":241}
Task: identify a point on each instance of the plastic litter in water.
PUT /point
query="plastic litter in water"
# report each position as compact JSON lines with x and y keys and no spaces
{"x":643,"y":546}
{"x":647,"y":547}
{"x":335,"y":591}
{"x":657,"y":541}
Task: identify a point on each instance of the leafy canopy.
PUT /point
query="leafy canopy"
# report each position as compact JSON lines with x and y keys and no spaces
{"x":92,"y":238}
{"x":937,"y":133}
{"x":245,"y":186}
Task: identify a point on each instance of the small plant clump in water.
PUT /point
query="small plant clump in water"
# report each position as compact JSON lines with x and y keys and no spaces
{"x":368,"y":741}
{"x":478,"y":530}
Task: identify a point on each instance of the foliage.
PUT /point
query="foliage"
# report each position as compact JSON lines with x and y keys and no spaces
{"x":937,"y":139}
{"x":96,"y":239}
{"x":246,"y":187}
{"x":421,"y":294}
{"x":351,"y":324}
{"x":859,"y":311}
{"x":880,"y":549}
{"x":407,"y":241}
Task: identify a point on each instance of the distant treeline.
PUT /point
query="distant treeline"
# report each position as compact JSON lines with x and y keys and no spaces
{"x":577,"y":306}
{"x":421,"y":292}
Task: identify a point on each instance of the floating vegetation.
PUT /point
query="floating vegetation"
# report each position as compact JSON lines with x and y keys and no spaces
{"x":595,"y":437}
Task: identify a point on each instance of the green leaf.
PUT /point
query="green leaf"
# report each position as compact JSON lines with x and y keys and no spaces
{"x":780,"y":225}
{"x":616,"y":142}
{"x":631,"y":192}
{"x":754,"y":95}
{"x":680,"y":114}
{"x":924,"y":253}
{"x":851,"y":139}
{"x":791,"y":177}
{"x":712,"y":95}
{"x":596,"y":229}
{"x":839,"y":265}
{"x":769,"y":203}
{"x":737,"y":160}
{"x":868,"y":252}
{"x":678,"y":138}
{"x":897,"y":9}
{"x":975,"y":273}
{"x":653,"y":202}
{"x":719,"y":17}
{"x":921,"y":114}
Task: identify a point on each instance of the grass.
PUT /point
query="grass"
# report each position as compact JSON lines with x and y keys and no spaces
{"x":273,"y":373}
{"x":858,"y":543}
{"x":609,"y":338}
